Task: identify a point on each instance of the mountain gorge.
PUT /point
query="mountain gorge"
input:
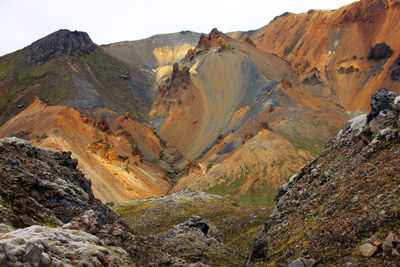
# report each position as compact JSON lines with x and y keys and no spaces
{"x":183,"y":125}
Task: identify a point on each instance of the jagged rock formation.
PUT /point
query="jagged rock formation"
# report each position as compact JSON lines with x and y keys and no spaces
{"x":60,"y":44}
{"x":345,"y":196}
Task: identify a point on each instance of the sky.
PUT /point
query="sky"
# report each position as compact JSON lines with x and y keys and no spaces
{"x":106,"y":21}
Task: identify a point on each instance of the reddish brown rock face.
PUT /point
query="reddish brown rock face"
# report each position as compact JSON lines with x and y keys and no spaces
{"x":338,"y":44}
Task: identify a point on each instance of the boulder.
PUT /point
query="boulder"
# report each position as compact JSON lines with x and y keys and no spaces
{"x":395,"y":75}
{"x":197,"y":222}
{"x":303,"y":262}
{"x":390,"y":243}
{"x":381,"y":100}
{"x":45,"y":246}
{"x":368,"y":250}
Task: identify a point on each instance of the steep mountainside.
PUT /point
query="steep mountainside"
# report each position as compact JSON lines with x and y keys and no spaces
{"x":66,"y":68}
{"x":226,"y":93}
{"x":331,"y":50}
{"x":341,"y":209}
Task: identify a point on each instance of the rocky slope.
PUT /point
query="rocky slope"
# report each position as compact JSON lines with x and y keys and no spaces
{"x":341,"y":209}
{"x":333,"y":51}
{"x":49,"y":216}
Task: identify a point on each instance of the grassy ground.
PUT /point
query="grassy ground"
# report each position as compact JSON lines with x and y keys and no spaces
{"x":235,"y":225}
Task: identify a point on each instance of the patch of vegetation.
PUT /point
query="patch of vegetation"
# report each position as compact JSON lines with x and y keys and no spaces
{"x":20,"y":82}
{"x":260,"y":197}
{"x":315,"y":150}
{"x":51,"y":66}
{"x":229,"y":187}
{"x":3,"y":69}
{"x":289,"y":48}
{"x":306,"y":65}
{"x":236,"y":225}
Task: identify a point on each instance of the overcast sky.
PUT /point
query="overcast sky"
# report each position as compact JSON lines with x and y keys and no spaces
{"x":24,"y":21}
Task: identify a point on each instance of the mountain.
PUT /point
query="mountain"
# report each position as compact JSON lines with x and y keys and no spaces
{"x":65,"y":68}
{"x":231,"y":114}
{"x":336,"y":52}
{"x":72,"y":96}
{"x":244,"y":117}
{"x":229,"y":110}
{"x":341,"y":209}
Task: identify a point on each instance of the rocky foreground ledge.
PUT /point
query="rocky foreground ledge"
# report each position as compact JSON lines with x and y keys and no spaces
{"x":341,"y":209}
{"x":50,"y":217}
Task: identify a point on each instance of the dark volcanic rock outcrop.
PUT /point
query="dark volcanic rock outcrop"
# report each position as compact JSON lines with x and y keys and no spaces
{"x":380,"y":51}
{"x":60,"y":44}
{"x":340,"y":209}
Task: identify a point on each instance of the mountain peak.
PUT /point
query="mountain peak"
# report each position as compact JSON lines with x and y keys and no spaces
{"x":60,"y":44}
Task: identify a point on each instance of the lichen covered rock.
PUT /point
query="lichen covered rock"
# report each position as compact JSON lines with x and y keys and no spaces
{"x":45,"y":246}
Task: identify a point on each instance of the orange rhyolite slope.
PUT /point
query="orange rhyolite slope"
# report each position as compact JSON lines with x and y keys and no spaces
{"x":111,"y":158}
{"x":329,"y":49}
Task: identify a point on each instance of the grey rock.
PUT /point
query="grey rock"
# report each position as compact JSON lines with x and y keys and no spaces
{"x":368,"y":250}
{"x":303,"y":262}
{"x":196,"y":221}
{"x":390,"y":243}
{"x":395,"y":75}
{"x":380,"y":101}
{"x":60,"y":44}
{"x":396,"y":104}
{"x":33,"y":255}
{"x":39,"y":245}
{"x":395,"y":252}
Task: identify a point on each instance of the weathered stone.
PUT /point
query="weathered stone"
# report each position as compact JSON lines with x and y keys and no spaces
{"x":52,"y":244}
{"x":390,"y":243}
{"x":368,"y":250}
{"x":395,"y":75}
{"x":303,"y":262}
{"x":395,"y":252}
{"x":396,"y":103}
{"x":381,"y":100}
